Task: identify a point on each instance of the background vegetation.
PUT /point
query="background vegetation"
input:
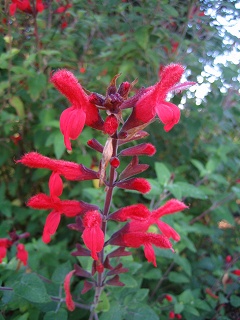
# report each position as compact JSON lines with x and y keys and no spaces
{"x":198,"y":161}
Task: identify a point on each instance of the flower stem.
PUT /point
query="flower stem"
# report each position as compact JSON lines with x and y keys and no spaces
{"x":107,"y":204}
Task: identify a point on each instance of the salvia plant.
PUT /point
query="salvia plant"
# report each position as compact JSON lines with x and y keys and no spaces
{"x":106,"y":113}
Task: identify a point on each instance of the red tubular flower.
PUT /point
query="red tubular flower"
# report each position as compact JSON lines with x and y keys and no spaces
{"x":178,"y":316}
{"x":114,"y":162}
{"x":228,"y":259}
{"x":136,"y":239}
{"x":93,"y":235}
{"x":81,"y":112}
{"x":236,"y":272}
{"x":139,"y":150}
{"x":69,"y":301}
{"x":171,"y":315}
{"x":138,"y":184}
{"x":153,"y":101}
{"x":168,"y":297}
{"x":70,"y":170}
{"x":70,"y":208}
{"x":110,"y":125}
{"x":22,"y":254}
{"x":135,"y":211}
{"x":4,"y":244}
{"x":25,"y":6}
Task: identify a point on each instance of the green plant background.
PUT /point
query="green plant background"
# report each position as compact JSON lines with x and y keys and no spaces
{"x":198,"y":161}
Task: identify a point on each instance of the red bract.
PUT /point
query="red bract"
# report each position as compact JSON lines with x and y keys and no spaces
{"x":69,"y":301}
{"x":81,"y":112}
{"x":153,"y":101}
{"x":139,"y":150}
{"x":93,"y":235}
{"x":22,"y":254}
{"x":70,"y":170}
{"x":138,"y":184}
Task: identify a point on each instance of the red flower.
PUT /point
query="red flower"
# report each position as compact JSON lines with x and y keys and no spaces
{"x":153,"y":101}
{"x":178,"y":316}
{"x":136,"y":239}
{"x":81,"y":112}
{"x":228,"y":259}
{"x":70,"y":170}
{"x":69,"y":301}
{"x":135,"y":211}
{"x":25,"y":6}
{"x":171,"y":315}
{"x":139,"y":150}
{"x":138,"y":184}
{"x":236,"y":272}
{"x":110,"y":125}
{"x":22,"y":254}
{"x":168,"y":297}
{"x":4,"y":244}
{"x":93,"y":235}
{"x":69,"y":208}
{"x":134,"y":234}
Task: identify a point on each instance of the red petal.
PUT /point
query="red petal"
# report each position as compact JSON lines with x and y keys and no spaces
{"x":22,"y":254}
{"x":72,"y":121}
{"x":12,"y":9}
{"x":169,"y":114}
{"x":168,"y":231}
{"x":69,"y":301}
{"x":3,"y":252}
{"x":138,"y":184}
{"x":139,"y":150}
{"x":55,"y":185}
{"x":169,"y":207}
{"x":110,"y":125}
{"x":40,"y":201}
{"x":135,"y":211}
{"x":51,"y":225}
{"x":94,"y":240}
{"x":150,"y":254}
{"x":68,"y":85}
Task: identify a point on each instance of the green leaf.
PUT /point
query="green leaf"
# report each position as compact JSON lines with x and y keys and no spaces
{"x":175,"y":190}
{"x":142,"y":36}
{"x":103,"y":305}
{"x":191,"y":310}
{"x":128,"y":280}
{"x":31,"y":288}
{"x":178,"y":307}
{"x":184,"y":263}
{"x":17,"y":103}
{"x":58,"y":145}
{"x":189,"y":190}
{"x":170,"y":11}
{"x":177,"y":277}
{"x":199,"y":166}
{"x":115,"y":312}
{"x":153,"y":274}
{"x":61,"y":272}
{"x":163,"y":174}
{"x":36,"y":85}
{"x":235,"y":301}
{"x":145,"y":312}
{"x":61,"y":314}
{"x":186,"y":297}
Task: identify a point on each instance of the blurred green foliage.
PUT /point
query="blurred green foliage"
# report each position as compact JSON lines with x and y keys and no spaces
{"x":198,"y":161}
